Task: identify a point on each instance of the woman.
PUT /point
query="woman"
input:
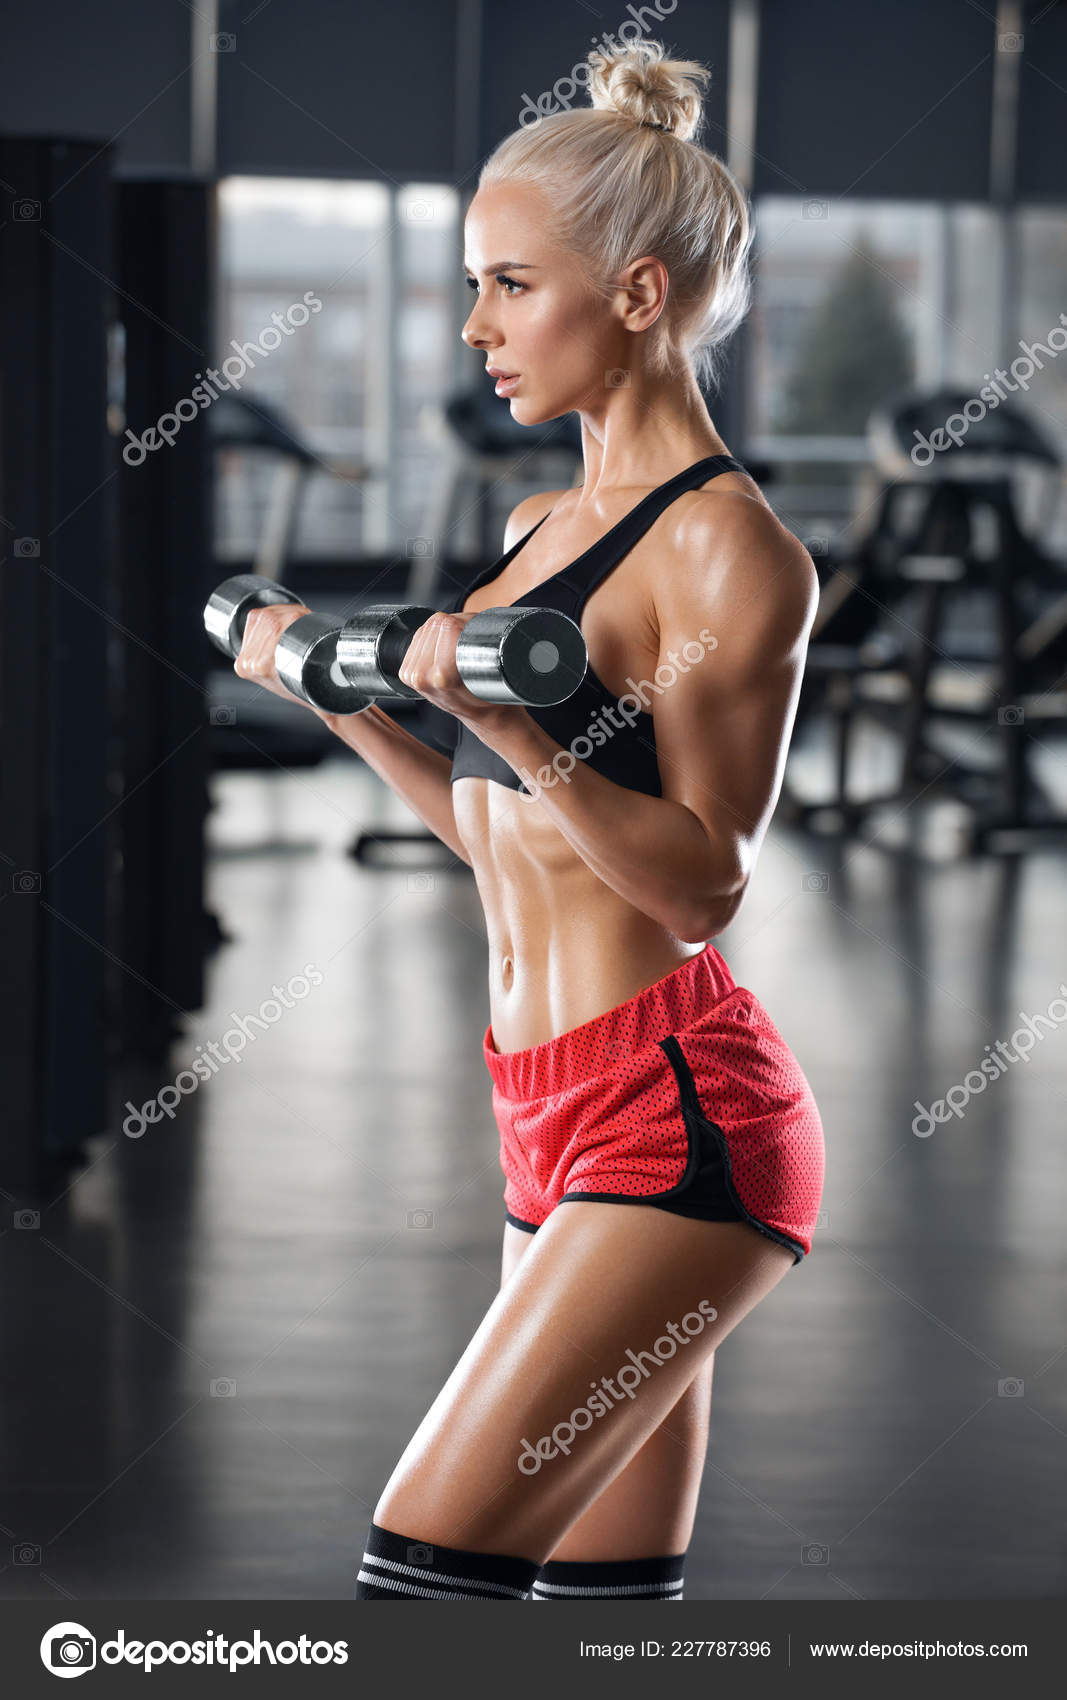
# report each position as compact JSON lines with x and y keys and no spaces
{"x":611,"y":839}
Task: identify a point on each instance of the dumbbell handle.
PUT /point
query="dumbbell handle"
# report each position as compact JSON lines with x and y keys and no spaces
{"x":373,"y":643}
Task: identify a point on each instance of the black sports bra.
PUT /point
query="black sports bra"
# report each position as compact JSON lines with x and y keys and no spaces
{"x":622,"y":747}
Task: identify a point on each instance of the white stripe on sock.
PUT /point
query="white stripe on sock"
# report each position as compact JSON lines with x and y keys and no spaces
{"x":409,"y":1587}
{"x":437,"y":1576}
{"x":545,"y":1590}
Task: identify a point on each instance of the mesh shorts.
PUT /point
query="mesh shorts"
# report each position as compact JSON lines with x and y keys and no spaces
{"x":686,"y":1097}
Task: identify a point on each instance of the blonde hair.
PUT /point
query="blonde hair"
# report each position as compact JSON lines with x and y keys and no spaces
{"x":619,"y":188}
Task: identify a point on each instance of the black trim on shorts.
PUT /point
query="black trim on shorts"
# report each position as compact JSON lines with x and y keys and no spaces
{"x":517,"y":1222}
{"x":706,"y":1191}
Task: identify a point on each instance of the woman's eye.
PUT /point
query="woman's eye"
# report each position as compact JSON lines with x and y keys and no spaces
{"x":510,"y":283}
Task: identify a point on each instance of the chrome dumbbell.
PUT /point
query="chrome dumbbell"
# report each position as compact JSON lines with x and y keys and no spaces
{"x":306,"y":655}
{"x":533,"y":657}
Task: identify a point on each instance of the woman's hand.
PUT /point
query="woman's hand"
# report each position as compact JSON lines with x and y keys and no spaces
{"x":430,"y":668}
{"x":263,"y":628}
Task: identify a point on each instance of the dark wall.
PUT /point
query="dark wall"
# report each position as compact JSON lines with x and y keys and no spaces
{"x":109,"y":69}
{"x":1043,"y":103}
{"x":874,"y":100}
{"x":530,"y":53}
{"x":331,"y":87}
{"x":854,"y":97}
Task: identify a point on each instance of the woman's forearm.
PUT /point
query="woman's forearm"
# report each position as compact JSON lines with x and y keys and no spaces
{"x":419,"y":775}
{"x":653,"y":851}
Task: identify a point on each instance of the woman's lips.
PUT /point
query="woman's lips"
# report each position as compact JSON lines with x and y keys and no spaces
{"x":504,"y":386}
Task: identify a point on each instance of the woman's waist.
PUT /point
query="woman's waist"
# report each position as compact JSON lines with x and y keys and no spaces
{"x":574,"y":1011}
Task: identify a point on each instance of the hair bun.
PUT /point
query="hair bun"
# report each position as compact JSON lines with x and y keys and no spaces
{"x":640,"y":83}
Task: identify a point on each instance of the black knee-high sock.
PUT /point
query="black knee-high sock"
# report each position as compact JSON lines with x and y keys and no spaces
{"x":401,"y":1567}
{"x":624,"y":1579}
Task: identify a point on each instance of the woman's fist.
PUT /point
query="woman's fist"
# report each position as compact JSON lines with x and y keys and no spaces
{"x":429,"y":667}
{"x":263,"y":628}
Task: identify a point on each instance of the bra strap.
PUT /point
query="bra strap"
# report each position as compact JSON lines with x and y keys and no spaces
{"x":583,"y":578}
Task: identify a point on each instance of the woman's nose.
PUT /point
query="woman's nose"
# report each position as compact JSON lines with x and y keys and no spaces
{"x":470,"y":332}
{"x":476,"y":331}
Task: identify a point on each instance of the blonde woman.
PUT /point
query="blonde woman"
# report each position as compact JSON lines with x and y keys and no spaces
{"x":611,"y":839}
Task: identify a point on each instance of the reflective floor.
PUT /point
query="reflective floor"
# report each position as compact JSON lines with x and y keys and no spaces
{"x":221,"y":1337}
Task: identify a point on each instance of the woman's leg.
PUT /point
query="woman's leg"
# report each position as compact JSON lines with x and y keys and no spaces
{"x":607,"y":1319}
{"x":650,"y":1506}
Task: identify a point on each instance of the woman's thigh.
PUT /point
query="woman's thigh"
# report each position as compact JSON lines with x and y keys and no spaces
{"x":649,"y":1508}
{"x":586,"y":1349}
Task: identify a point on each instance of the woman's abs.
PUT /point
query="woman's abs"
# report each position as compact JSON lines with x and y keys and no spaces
{"x":563,"y":946}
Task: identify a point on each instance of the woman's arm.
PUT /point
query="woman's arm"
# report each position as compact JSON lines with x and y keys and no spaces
{"x":738,"y":577}
{"x":420,"y":776}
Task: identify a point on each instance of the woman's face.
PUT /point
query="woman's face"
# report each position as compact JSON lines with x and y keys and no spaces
{"x":533,"y":314}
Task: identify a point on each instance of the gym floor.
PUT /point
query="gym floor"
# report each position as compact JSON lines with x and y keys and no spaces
{"x":264,"y":1294}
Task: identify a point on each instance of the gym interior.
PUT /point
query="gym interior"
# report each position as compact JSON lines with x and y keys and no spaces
{"x":232,"y":1291}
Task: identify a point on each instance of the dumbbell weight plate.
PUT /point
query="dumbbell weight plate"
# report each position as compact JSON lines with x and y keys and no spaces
{"x":229,"y":606}
{"x":535,"y":656}
{"x":306,"y":661}
{"x":373,"y":644}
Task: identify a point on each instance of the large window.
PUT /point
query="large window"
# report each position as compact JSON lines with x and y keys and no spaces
{"x":854,"y":300}
{"x":352,"y":382}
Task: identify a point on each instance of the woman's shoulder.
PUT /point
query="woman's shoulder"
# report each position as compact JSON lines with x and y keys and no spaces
{"x":732,"y":545}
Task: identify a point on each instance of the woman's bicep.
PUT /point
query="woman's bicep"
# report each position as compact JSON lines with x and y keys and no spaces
{"x":733,"y":649}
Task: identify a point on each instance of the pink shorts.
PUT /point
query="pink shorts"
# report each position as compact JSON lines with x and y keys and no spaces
{"x":685,"y":1097}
